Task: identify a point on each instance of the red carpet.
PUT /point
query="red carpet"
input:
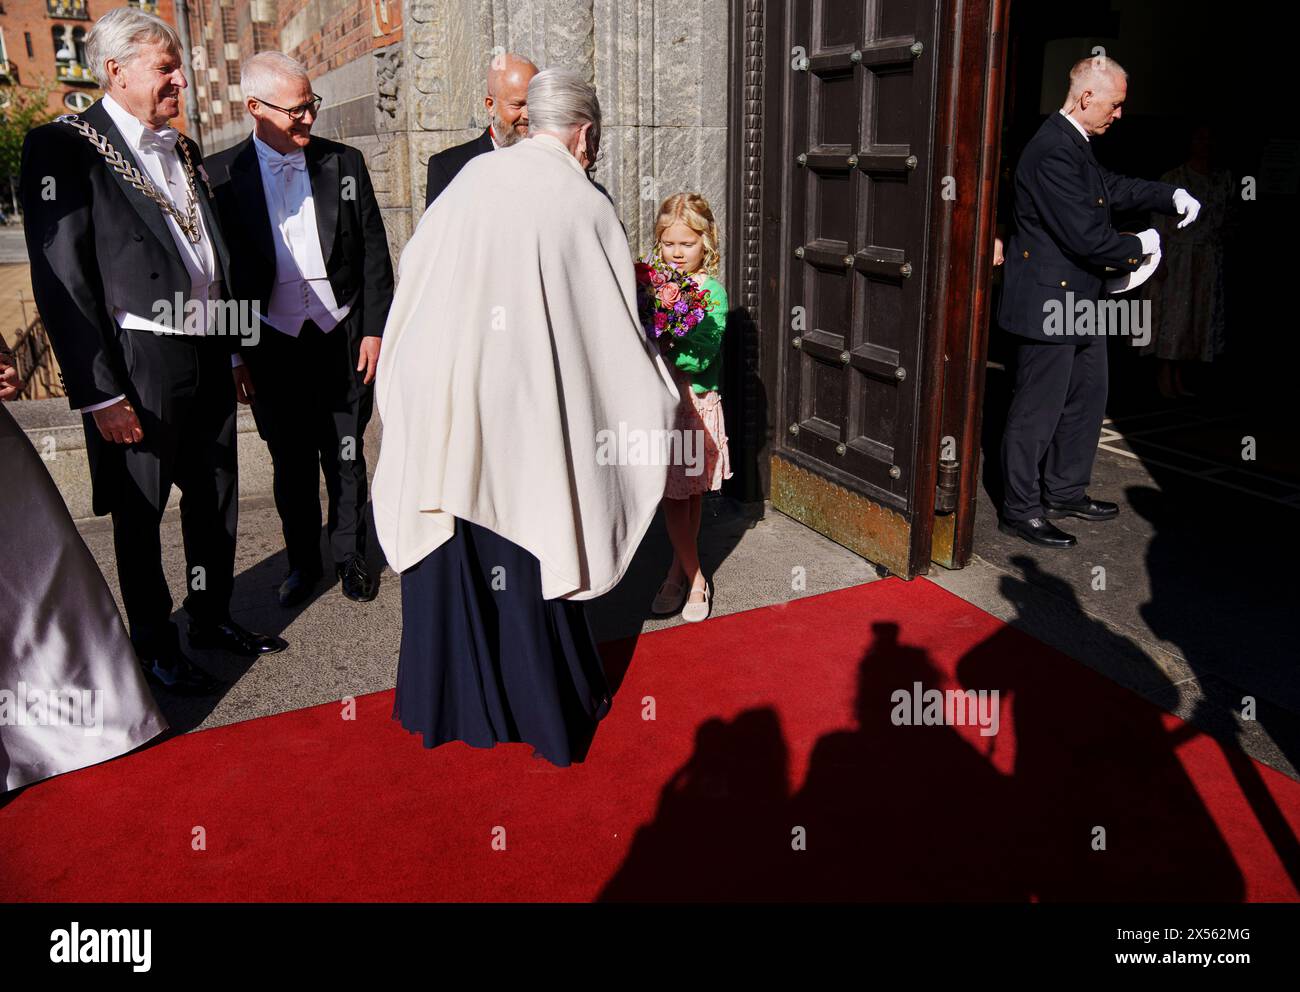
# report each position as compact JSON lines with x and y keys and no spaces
{"x":769,"y":725}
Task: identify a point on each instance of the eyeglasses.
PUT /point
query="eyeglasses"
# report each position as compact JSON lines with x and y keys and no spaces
{"x":296,"y":113}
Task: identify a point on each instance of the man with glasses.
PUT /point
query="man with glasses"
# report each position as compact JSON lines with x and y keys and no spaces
{"x":308,"y":245}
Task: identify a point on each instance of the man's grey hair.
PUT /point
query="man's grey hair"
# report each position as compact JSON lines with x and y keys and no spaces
{"x":560,"y":100}
{"x":120,"y":34}
{"x":259,"y":72}
{"x":1087,"y":73}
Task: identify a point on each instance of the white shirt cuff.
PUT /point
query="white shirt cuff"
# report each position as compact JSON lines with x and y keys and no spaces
{"x":99,"y":406}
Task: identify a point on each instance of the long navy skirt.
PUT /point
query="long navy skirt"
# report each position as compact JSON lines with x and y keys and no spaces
{"x":485,"y":659}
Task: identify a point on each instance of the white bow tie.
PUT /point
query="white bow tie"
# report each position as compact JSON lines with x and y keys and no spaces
{"x":164,"y":139}
{"x":294,"y":160}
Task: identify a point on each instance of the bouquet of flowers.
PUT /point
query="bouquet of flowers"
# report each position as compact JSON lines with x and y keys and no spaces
{"x":670,"y":302}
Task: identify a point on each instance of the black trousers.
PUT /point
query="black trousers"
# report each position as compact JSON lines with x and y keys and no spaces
{"x":312,"y":409}
{"x":1053,"y":424}
{"x":184,"y":395}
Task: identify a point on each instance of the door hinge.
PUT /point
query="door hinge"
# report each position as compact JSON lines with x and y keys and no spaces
{"x":945,"y":490}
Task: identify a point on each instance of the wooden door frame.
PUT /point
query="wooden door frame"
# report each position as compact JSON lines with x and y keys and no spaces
{"x":969,"y":88}
{"x":971,"y":118}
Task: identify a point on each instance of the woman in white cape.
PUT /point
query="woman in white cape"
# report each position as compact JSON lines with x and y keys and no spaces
{"x":524,"y":414}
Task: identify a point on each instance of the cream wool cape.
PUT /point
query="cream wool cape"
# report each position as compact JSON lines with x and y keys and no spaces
{"x":511,"y":355}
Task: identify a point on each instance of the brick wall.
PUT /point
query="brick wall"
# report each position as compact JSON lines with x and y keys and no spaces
{"x":323,"y":34}
{"x":32,"y":17}
{"x":328,"y":34}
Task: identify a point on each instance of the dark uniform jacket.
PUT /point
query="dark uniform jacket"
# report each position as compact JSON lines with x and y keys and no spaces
{"x":1063,"y":238}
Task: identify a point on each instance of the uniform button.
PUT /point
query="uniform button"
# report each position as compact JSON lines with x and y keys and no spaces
{"x":137,"y":237}
{"x":1026,"y":253}
{"x":1132,"y":261}
{"x":153,"y":275}
{"x":1062,"y":283}
{"x":1100,"y":201}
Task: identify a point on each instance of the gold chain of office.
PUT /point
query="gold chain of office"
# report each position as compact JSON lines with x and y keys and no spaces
{"x":187,"y":222}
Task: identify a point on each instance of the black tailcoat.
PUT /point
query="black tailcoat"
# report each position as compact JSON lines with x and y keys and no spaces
{"x":310,"y":402}
{"x":444,"y":166}
{"x":96,"y":245}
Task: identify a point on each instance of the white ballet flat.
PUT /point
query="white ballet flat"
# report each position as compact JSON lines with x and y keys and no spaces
{"x":669,"y":599}
{"x":695,"y":612}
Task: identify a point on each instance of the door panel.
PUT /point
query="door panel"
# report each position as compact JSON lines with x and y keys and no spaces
{"x":857,"y":183}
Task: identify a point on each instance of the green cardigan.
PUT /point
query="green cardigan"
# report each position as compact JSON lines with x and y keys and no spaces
{"x":696,"y":354}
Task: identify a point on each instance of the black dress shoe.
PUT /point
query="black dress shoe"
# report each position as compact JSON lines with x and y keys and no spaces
{"x":1085,"y":509}
{"x":229,"y":636}
{"x":1038,"y":531}
{"x":356,"y":580}
{"x":181,"y":676}
{"x":297,"y":586}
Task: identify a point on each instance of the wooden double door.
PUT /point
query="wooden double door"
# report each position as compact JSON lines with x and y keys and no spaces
{"x":872,"y":154}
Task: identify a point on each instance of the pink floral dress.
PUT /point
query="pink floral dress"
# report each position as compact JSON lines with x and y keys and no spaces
{"x":695,"y":361}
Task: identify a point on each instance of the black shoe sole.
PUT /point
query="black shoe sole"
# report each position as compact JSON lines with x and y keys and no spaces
{"x":184,"y":688}
{"x":1054,"y":546}
{"x":1051,"y":514}
{"x":304,"y":593}
{"x":292,"y":601}
{"x":215,"y":644}
{"x":363,"y":598}
{"x":366,"y":595}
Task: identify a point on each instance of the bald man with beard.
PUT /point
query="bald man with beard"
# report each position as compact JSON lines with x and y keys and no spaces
{"x":507,"y":107}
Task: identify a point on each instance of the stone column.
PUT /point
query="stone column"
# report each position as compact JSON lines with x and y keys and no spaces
{"x":659,"y":66}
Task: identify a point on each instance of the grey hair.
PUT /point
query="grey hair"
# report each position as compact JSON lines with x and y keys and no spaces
{"x":119,"y":35}
{"x":257,"y":72}
{"x":560,"y":100}
{"x":1084,"y":72}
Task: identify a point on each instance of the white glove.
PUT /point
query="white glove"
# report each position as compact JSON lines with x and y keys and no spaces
{"x":1150,"y":239}
{"x":1187,"y":206}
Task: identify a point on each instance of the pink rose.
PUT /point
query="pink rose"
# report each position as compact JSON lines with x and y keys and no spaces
{"x":657,"y":278}
{"x":668,"y":293}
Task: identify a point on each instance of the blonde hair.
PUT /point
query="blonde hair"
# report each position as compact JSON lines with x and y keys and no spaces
{"x":692,"y":210}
